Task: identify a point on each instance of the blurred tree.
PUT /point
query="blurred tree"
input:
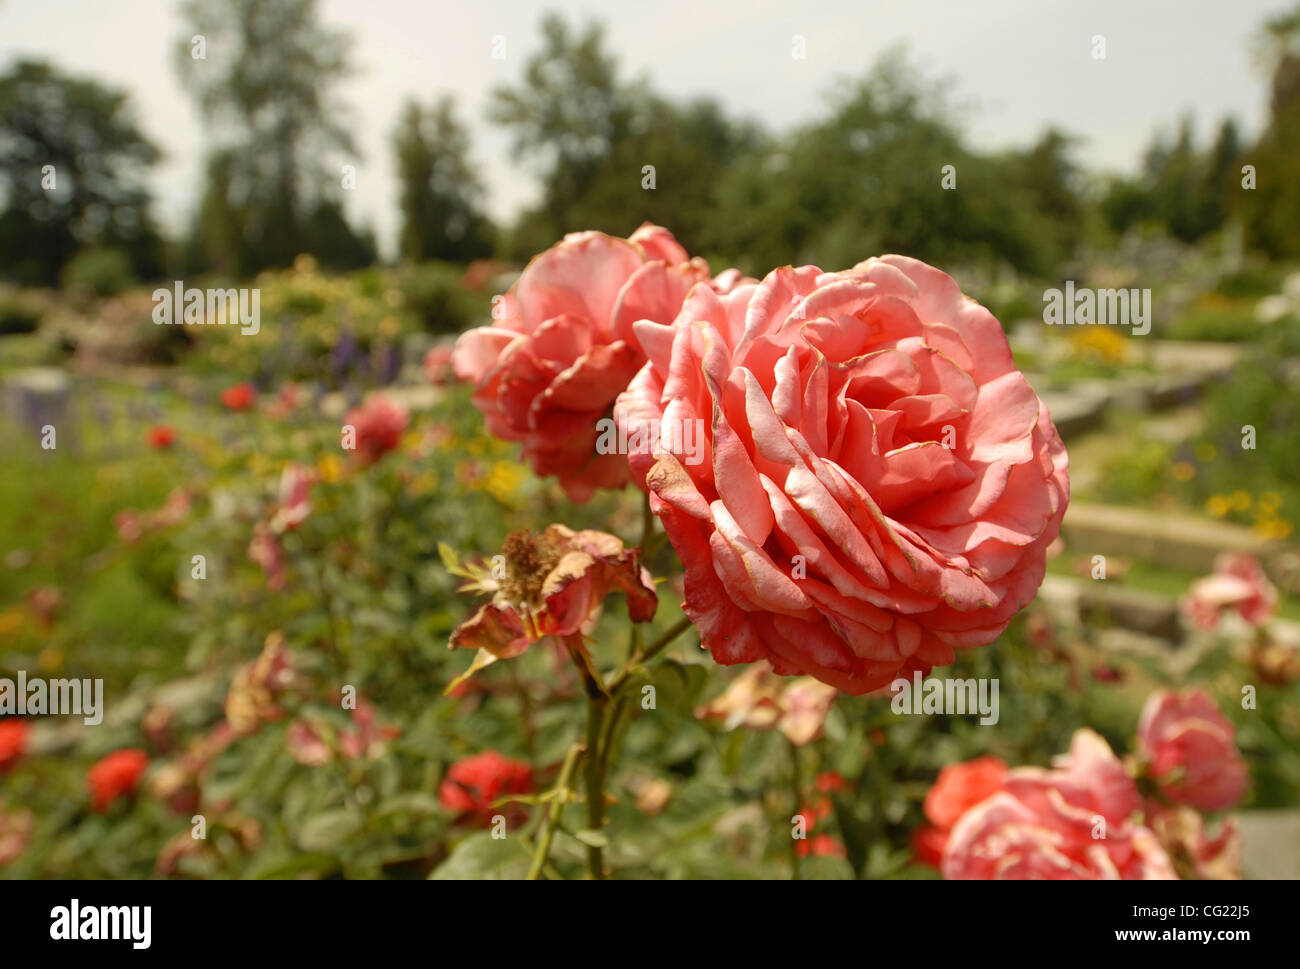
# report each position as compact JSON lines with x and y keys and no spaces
{"x":873,"y":177}
{"x":441,"y":193}
{"x":265,"y":85}
{"x":1272,"y":211}
{"x":94,"y":195}
{"x":566,"y":116}
{"x":1188,"y":192}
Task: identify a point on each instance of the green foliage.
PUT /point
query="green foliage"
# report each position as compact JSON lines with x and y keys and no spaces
{"x":277,"y":124}
{"x":72,"y":168}
{"x":97,"y":272}
{"x":441,"y":193}
{"x":18,"y":314}
{"x":435,"y":293}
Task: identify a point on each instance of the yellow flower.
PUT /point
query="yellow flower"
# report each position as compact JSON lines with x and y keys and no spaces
{"x":504,"y":480}
{"x":423,"y":483}
{"x":1206,"y":452}
{"x":1218,"y":506}
{"x":1269,"y":502}
{"x":11,"y":620}
{"x":330,"y":467}
{"x":1240,"y":500}
{"x":1184,"y":471}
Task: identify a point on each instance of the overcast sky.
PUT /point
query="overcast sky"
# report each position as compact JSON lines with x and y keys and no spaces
{"x":1020,"y":64}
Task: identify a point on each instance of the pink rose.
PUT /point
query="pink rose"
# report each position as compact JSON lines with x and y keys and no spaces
{"x":758,"y":699}
{"x":856,"y":476}
{"x":562,"y":347}
{"x":1191,"y":751}
{"x":437,"y":365}
{"x":294,"y":505}
{"x":1238,"y":582}
{"x":1072,"y":822}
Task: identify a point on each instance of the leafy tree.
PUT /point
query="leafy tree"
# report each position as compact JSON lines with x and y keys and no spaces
{"x":567,"y":115}
{"x":266,"y":88}
{"x":87,"y":133}
{"x":441,"y":193}
{"x":869,"y":178}
{"x":1272,"y":211}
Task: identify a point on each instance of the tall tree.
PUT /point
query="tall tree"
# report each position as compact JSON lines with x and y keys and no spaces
{"x":441,"y":193}
{"x":568,"y":113}
{"x":266,"y":85}
{"x":93,"y":192}
{"x":1272,"y":210}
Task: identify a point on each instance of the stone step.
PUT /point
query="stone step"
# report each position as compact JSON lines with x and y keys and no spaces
{"x":1270,"y":842}
{"x":1181,"y":541}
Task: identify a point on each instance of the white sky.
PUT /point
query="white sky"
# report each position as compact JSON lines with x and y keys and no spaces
{"x":1021,"y":64}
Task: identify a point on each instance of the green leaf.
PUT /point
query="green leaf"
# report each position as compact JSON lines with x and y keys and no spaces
{"x":450,"y":560}
{"x":482,"y":856}
{"x":411,"y":802}
{"x":329,"y":830}
{"x":594,"y":839}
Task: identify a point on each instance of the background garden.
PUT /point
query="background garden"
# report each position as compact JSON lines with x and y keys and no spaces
{"x":322,"y":575}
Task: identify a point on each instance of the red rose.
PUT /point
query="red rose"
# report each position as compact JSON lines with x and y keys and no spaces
{"x":472,"y":785}
{"x":379,"y":423}
{"x":958,"y":788}
{"x":876,"y":485}
{"x":239,"y":397}
{"x":13,"y":740}
{"x":819,"y":808}
{"x":1191,"y":749}
{"x":161,"y":437}
{"x":115,"y":776}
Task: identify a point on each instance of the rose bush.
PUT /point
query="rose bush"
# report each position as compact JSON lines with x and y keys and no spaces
{"x":878,"y":483}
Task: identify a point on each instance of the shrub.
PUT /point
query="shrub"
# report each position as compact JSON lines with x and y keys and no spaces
{"x":98,"y":272}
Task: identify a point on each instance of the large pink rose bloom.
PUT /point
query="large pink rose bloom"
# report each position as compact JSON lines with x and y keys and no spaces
{"x":1191,"y":749}
{"x":562,"y":347}
{"x":1071,"y":822}
{"x":876,"y":484}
